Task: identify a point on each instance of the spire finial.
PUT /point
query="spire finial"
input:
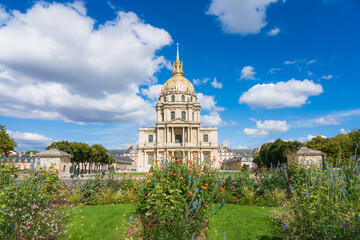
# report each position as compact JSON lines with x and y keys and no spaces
{"x":177,"y":64}
{"x":177,"y":55}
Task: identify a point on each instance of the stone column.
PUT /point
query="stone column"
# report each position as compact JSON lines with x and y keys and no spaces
{"x":183,"y":135}
{"x":173,"y":135}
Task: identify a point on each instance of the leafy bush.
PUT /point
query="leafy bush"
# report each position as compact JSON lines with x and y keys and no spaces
{"x":177,"y":200}
{"x":91,"y":190}
{"x":31,"y":205}
{"x":323,"y":207}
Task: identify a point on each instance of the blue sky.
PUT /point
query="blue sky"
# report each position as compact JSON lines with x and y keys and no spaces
{"x":91,"y":71}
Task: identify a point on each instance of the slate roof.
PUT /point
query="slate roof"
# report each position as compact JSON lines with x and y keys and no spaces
{"x":53,"y":152}
{"x":240,"y":159}
{"x":122,"y":159}
{"x":24,"y":158}
{"x":308,"y":152}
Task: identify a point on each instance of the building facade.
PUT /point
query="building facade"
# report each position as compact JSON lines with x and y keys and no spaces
{"x":178,"y":128}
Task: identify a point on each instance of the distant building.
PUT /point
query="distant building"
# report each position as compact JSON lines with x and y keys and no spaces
{"x":25,"y":161}
{"x":307,"y":156}
{"x":60,"y":160}
{"x":225,"y":152}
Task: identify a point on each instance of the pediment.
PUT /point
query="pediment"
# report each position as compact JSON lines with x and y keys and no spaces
{"x":178,"y":121}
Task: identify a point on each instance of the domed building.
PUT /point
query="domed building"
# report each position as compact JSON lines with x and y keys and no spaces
{"x":178,"y":127}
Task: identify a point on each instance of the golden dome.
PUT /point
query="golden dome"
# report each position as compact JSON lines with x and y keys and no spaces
{"x":178,"y":83}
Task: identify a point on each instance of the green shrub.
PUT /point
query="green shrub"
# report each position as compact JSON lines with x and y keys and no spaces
{"x":33,"y":205}
{"x":109,"y":196}
{"x":322,"y":206}
{"x":91,"y":190}
{"x":177,"y":200}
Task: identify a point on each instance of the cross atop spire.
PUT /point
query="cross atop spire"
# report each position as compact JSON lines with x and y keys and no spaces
{"x":177,"y":64}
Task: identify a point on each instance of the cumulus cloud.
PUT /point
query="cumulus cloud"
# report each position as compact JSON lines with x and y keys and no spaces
{"x":152,"y":92}
{"x":248,"y":73}
{"x":216,"y":84}
{"x":200,"y":81}
{"x":240,"y":16}
{"x":327,"y":77}
{"x":30,"y":141}
{"x":208,"y":103}
{"x":292,"y":93}
{"x":54,"y":64}
{"x":343,"y":131}
{"x":273,"y":32}
{"x":309,"y":137}
{"x":328,"y":120}
{"x":267,"y":127}
{"x":211,"y":120}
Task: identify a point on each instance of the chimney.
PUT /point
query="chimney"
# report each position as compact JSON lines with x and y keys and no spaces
{"x":129,"y":145}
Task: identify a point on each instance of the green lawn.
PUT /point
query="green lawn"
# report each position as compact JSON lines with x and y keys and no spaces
{"x":233,"y":221}
{"x":243,"y":222}
{"x":100,"y":222}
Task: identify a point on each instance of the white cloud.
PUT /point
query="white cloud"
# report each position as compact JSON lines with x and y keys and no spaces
{"x":309,"y":73}
{"x":208,"y":103}
{"x":273,"y":70}
{"x":343,"y":131}
{"x":292,"y":93}
{"x":4,"y":16}
{"x":273,"y":32}
{"x":199,"y":81}
{"x":30,"y":141}
{"x":327,"y":77}
{"x":328,"y":120}
{"x":248,"y":73}
{"x":309,"y":137}
{"x":267,"y":127}
{"x":240,"y":16}
{"x":55,"y":65}
{"x":288,"y":62}
{"x":211,"y":120}
{"x":216,"y":84}
{"x":152,"y":92}
{"x":311,"y":62}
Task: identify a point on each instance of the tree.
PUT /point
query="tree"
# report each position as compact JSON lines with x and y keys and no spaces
{"x":99,"y":155}
{"x":7,"y":144}
{"x":355,"y":139}
{"x":32,"y":151}
{"x":272,"y":154}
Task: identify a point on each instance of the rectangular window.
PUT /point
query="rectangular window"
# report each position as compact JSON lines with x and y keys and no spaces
{"x":150,"y":158}
{"x":206,"y":138}
{"x":206,"y":158}
{"x":151,"y":138}
{"x":172,"y":115}
{"x":162,"y":116}
{"x":183,"y":115}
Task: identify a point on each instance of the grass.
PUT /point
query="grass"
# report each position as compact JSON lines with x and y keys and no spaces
{"x":243,"y":222}
{"x":233,"y":221}
{"x":101,"y":222}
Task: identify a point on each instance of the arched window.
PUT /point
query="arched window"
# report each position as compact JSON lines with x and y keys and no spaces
{"x":191,"y":99}
{"x":183,"y":115}
{"x":206,"y":138}
{"x":173,"y":98}
{"x":165,"y":99}
{"x":182,"y":98}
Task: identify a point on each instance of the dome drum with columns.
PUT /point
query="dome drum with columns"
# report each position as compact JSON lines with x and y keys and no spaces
{"x":178,"y":126}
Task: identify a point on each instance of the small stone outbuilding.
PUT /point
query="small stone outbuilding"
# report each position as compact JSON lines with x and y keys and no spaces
{"x":60,"y":159}
{"x":307,"y":157}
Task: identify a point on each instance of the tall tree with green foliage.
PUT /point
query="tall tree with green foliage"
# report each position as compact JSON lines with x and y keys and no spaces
{"x":272,"y":154}
{"x":7,"y":144}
